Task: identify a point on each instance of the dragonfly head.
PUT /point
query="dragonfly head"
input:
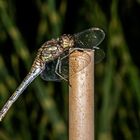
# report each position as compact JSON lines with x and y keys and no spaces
{"x":66,"y":41}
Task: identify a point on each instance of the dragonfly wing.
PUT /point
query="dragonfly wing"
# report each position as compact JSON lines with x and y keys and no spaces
{"x":89,"y":38}
{"x":99,"y":55}
{"x":49,"y":73}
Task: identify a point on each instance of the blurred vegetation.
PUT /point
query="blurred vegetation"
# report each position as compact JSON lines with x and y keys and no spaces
{"x":42,"y":111}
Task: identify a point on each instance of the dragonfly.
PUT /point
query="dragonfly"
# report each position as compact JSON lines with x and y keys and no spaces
{"x":50,"y":62}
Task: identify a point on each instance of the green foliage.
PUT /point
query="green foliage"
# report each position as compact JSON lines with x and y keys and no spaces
{"x":42,"y":111}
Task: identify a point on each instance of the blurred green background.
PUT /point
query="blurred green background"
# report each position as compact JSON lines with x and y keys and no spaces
{"x":41,"y":113}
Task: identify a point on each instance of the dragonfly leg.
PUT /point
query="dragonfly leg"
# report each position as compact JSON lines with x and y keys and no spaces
{"x":58,"y":69}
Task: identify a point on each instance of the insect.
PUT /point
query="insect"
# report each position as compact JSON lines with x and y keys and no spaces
{"x":50,"y":61}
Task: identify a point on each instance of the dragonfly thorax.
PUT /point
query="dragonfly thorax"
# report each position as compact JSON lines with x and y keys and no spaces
{"x":52,"y":49}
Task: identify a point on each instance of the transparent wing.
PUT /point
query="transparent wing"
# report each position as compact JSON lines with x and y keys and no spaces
{"x":49,"y":73}
{"x":99,"y":55}
{"x":89,"y":38}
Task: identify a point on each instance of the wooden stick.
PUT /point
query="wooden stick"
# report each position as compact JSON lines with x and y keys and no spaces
{"x":81,"y":95}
